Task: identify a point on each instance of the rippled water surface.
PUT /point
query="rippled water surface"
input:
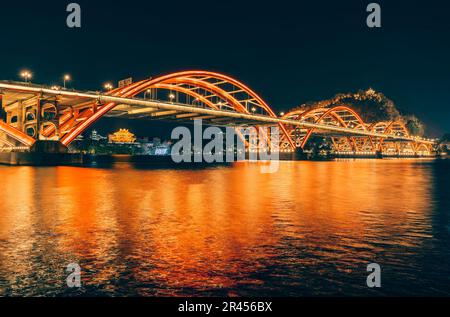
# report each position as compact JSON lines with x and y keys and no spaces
{"x":309,"y":229}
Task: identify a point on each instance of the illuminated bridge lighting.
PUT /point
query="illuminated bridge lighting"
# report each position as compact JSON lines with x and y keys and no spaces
{"x":214,"y":98}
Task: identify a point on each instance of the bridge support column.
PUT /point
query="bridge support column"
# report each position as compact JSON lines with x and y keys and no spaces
{"x":3,"y":113}
{"x":49,"y":114}
{"x":49,"y":147}
{"x":43,"y":153}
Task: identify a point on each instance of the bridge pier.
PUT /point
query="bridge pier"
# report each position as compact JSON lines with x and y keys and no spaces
{"x":42,"y":153}
{"x":53,"y":147}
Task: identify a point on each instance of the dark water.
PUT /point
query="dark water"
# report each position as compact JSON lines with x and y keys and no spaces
{"x":309,"y":229}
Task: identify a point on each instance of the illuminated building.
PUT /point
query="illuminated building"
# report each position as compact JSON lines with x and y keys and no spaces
{"x":95,"y":136}
{"x":122,"y":136}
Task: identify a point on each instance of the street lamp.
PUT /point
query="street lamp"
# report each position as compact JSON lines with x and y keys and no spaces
{"x":171,"y":97}
{"x":282,"y":114}
{"x":66,"y":78}
{"x":108,"y":86}
{"x":253,"y":109}
{"x":26,"y":75}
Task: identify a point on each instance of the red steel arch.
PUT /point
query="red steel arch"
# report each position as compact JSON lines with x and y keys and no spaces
{"x":396,"y":128}
{"x":17,"y":135}
{"x":209,"y":89}
{"x":336,"y":112}
{"x":422,"y":147}
{"x":341,"y":115}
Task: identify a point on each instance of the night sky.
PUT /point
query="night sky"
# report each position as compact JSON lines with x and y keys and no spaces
{"x":289,"y":52}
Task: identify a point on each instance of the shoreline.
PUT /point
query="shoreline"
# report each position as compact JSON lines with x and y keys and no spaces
{"x":79,"y":159}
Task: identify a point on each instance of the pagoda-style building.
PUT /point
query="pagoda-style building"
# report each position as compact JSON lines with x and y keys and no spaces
{"x":122,"y":136}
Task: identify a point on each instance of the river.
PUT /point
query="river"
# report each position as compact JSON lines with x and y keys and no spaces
{"x":309,"y":229}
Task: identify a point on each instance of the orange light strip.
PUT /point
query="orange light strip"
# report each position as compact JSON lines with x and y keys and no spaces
{"x":179,"y":78}
{"x":16,"y":134}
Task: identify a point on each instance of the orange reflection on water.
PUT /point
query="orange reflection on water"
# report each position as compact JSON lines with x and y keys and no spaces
{"x":190,"y":232}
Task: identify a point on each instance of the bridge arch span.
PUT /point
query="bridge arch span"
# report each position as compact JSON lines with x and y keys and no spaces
{"x":200,"y":88}
{"x":395,"y":128}
{"x":341,"y":115}
{"x":423,"y":149}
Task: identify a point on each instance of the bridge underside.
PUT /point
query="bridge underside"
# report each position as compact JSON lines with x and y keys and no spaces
{"x":176,"y":116}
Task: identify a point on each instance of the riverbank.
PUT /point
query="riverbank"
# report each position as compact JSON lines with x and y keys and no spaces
{"x":61,"y":159}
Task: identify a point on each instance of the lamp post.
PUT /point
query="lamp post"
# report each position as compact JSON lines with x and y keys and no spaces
{"x":26,"y":75}
{"x":66,"y":78}
{"x":108,"y":86}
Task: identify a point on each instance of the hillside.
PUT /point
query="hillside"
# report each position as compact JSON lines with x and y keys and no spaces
{"x":373,"y":107}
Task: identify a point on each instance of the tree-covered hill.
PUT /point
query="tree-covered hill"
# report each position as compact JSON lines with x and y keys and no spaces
{"x":373,"y":107}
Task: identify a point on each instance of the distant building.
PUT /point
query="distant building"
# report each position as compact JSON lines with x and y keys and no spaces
{"x":146,"y":148}
{"x":156,"y":141}
{"x":95,"y":136}
{"x":122,"y":136}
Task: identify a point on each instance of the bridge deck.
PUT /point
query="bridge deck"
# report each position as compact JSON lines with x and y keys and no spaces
{"x":137,"y":108}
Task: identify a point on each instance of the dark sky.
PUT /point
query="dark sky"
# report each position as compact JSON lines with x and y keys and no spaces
{"x":289,"y":52}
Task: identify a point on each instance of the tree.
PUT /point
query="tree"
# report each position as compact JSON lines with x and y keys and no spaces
{"x":414,"y":125}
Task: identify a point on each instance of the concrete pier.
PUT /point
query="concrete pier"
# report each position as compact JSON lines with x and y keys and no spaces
{"x":43,"y":153}
{"x":40,"y":159}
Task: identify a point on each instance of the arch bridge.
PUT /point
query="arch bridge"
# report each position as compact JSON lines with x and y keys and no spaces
{"x":37,"y":113}
{"x":396,"y":140}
